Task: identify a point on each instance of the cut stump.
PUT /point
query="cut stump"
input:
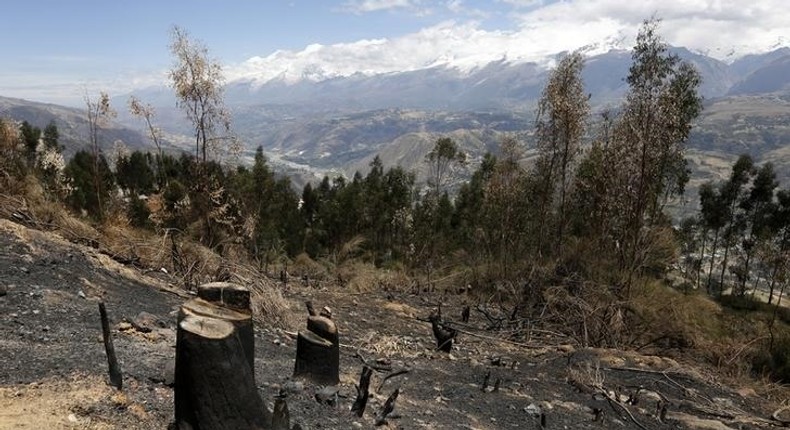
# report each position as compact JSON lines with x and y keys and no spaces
{"x":318,"y":351}
{"x":214,"y":373}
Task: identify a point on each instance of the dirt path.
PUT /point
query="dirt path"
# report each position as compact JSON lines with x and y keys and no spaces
{"x":53,"y":371}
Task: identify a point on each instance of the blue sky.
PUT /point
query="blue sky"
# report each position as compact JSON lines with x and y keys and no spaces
{"x":54,"y":50}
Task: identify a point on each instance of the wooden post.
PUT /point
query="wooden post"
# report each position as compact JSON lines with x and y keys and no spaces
{"x":116,"y":378}
{"x":214,"y":375}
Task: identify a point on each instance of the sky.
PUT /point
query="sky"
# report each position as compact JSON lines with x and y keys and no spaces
{"x":56,"y":51}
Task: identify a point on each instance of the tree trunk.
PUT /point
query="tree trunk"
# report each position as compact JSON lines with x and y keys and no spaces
{"x":712,"y":259}
{"x":702,"y":256}
{"x":214,"y":375}
{"x":724,"y":267}
{"x":241,"y":321}
{"x":214,"y":385}
{"x":318,"y":351}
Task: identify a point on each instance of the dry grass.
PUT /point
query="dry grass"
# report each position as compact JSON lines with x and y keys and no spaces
{"x":303,"y":265}
{"x":363,"y":277}
{"x":587,"y":374}
{"x":269,"y":307}
{"x":382,"y":345}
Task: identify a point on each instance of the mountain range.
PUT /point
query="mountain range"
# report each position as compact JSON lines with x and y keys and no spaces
{"x":312,"y":123}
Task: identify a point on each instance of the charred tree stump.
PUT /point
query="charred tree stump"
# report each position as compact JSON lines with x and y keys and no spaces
{"x":318,"y":349}
{"x":214,"y":389}
{"x":214,"y":372}
{"x":465,"y":314}
{"x":116,"y":378}
{"x":281,"y":418}
{"x":362,"y":392}
{"x":226,"y":294}
{"x":387,"y":409}
{"x":444,"y":336}
{"x":227,"y":302}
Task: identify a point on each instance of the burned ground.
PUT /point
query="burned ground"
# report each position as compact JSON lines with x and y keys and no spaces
{"x":53,"y":371}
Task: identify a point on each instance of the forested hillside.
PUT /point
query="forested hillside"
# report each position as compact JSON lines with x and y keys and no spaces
{"x":579,"y":239}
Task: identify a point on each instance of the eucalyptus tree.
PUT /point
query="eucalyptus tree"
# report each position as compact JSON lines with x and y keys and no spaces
{"x":651,"y":133}
{"x":757,"y":207}
{"x":562,"y":113}
{"x":99,"y":114}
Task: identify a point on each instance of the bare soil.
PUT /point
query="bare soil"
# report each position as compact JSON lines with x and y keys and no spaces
{"x":53,"y":369}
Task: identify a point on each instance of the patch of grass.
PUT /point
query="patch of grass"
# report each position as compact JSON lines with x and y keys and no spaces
{"x":359,"y":276}
{"x":303,"y":265}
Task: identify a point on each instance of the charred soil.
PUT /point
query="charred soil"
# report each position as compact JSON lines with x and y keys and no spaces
{"x":53,"y":369}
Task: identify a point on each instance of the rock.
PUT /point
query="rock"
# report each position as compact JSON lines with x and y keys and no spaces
{"x":566,"y":348}
{"x":327,"y":396}
{"x":124,"y":326}
{"x":3,"y":290}
{"x":80,"y":294}
{"x":533,"y":410}
{"x":146,"y":322}
{"x":293,"y":387}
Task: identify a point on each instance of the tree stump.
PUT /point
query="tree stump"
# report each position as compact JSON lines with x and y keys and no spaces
{"x":318,"y":351}
{"x":444,"y":335}
{"x":214,"y":374}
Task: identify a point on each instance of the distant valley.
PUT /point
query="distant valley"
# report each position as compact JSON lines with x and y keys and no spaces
{"x":336,"y":126}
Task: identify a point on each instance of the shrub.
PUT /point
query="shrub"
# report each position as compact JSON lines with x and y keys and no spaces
{"x":774,"y":360}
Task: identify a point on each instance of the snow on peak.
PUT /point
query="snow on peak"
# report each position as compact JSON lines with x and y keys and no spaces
{"x":462,"y":47}
{"x":465,"y":47}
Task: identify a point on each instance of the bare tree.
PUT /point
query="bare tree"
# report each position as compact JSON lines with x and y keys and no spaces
{"x":198,"y":82}
{"x":99,"y":114}
{"x":147,"y":113}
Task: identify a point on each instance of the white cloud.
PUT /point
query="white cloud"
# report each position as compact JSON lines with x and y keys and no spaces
{"x":719,"y":27}
{"x":365,"y":6}
{"x":724,"y":29}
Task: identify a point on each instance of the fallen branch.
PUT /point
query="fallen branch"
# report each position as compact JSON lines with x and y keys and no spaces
{"x":776,"y":416}
{"x":630,"y":415}
{"x":374,"y":366}
{"x":455,"y":325}
{"x":392,"y":375}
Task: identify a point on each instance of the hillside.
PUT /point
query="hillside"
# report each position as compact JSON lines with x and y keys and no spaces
{"x":55,"y":372}
{"x":72,"y":124}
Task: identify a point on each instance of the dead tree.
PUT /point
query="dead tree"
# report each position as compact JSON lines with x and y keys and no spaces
{"x":362,"y":392}
{"x":444,"y":335}
{"x":318,"y":349}
{"x":214,"y":378}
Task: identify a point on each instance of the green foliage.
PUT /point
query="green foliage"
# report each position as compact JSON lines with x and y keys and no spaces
{"x":138,"y":212}
{"x":30,"y":137}
{"x":84,"y":182}
{"x":51,"y":137}
{"x":135,"y":173}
